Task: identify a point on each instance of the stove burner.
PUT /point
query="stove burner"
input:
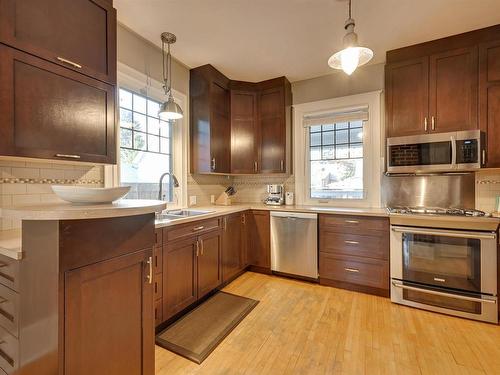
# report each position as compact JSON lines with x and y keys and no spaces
{"x":435,"y":211}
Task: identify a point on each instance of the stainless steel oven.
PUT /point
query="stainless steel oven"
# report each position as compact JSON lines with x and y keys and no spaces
{"x":440,"y":152}
{"x":443,"y":270}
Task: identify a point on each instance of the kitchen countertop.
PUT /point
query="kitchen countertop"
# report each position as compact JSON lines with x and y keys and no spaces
{"x":68,"y":211}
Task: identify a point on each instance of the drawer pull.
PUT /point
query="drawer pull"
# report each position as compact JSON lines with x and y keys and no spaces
{"x":352,"y":221}
{"x":352,"y":270}
{"x":198,"y":228}
{"x":69,"y":62}
{"x":68,"y":156}
{"x":351,"y":242}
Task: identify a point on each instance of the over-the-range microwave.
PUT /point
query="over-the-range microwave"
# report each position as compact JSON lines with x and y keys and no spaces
{"x":441,"y":152}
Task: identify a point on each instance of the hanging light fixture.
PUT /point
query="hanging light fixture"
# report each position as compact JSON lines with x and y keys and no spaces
{"x":352,"y":55}
{"x":169,"y":110}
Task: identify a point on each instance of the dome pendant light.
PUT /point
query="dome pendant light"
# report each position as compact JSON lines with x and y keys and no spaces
{"x":352,"y":55}
{"x":169,"y":110}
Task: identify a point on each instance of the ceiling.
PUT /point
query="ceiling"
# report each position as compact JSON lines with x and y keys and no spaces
{"x":254,"y":40}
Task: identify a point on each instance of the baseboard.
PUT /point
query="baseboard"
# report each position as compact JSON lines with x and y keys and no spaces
{"x":259,"y":269}
{"x":355,"y":287}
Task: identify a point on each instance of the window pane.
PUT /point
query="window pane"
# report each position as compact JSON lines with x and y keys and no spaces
{"x":125,"y":138}
{"x":356,"y":151}
{"x":125,"y":99}
{"x":315,"y":153}
{"x":342,"y":152}
{"x":153,"y":126}
{"x":153,"y":143}
{"x":314,"y":129}
{"x":328,"y":127}
{"x":139,"y":104}
{"x":328,"y":152}
{"x":153,"y":108}
{"x":315,"y":139}
{"x":356,"y":135}
{"x":165,"y":145}
{"x":341,"y":125}
{"x":356,"y":124}
{"x":139,"y":141}
{"x":165,"y":128}
{"x":341,"y":136}
{"x":139,"y":122}
{"x":126,"y":118}
{"x":328,"y":138}
{"x":337,"y":179}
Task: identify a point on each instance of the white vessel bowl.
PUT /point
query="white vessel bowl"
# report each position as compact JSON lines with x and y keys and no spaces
{"x":85,"y":195}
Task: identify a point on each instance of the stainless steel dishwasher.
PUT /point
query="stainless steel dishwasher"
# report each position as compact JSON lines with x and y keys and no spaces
{"x":294,"y":243}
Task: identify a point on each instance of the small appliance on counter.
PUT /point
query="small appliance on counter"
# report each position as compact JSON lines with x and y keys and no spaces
{"x":276,"y":195}
{"x":289,"y":198}
{"x":225,"y":198}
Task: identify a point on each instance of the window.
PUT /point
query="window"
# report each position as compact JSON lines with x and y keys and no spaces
{"x":338,"y":153}
{"x":336,"y":160}
{"x":145,"y":146}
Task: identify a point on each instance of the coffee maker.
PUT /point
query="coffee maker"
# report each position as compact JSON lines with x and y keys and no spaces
{"x":276,"y":195}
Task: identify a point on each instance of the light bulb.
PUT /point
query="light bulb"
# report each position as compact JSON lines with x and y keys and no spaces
{"x":349,"y":59}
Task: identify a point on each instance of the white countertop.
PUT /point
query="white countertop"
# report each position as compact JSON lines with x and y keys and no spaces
{"x":68,"y":211}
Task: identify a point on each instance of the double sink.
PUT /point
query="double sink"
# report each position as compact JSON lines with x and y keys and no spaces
{"x":180,"y":214}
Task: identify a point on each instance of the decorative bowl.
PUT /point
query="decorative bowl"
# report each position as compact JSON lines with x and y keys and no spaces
{"x":82,"y":195}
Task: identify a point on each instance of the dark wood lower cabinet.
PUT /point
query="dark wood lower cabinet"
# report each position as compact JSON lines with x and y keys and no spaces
{"x":259,"y":239}
{"x":233,"y":246}
{"x":209,"y":262}
{"x":109,"y":317}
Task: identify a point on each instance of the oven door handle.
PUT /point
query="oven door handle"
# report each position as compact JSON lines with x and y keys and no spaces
{"x":449,"y":233}
{"x":443,"y":294}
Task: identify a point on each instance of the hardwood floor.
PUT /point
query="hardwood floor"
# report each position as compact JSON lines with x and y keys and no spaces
{"x":303,"y":328}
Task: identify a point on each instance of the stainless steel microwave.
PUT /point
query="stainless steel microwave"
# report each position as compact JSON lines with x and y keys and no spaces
{"x":441,"y":152}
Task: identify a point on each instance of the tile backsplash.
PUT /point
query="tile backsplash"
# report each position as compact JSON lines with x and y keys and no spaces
{"x":23,"y":182}
{"x":487,"y":189}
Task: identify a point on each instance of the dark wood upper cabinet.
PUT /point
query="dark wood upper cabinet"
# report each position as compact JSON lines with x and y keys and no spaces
{"x":232,"y":246}
{"x":78,"y":34}
{"x":245,"y":157}
{"x":259,"y":239}
{"x":101,"y":300}
{"x":407,"y":105}
{"x":210,"y":134}
{"x":209,"y":262}
{"x":453,"y":88}
{"x":239,"y":127}
{"x":52,"y":112}
{"x":489,"y":99}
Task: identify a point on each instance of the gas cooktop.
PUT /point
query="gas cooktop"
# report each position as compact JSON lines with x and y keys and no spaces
{"x":436,"y":211}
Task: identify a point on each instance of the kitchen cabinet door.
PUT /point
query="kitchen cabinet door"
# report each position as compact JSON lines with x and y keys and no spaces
{"x":407,"y":97}
{"x":99,"y":301}
{"x":52,"y":112}
{"x":220,"y":130}
{"x":78,"y":34}
{"x":232,"y":246}
{"x":272,"y":130}
{"x":489,"y":99}
{"x":209,"y":262}
{"x":244,"y":132}
{"x":179,"y":276}
{"x":453,"y":90}
{"x":259,"y":239}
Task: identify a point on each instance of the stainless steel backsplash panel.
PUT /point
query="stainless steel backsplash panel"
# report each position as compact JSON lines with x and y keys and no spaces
{"x":429,"y":190}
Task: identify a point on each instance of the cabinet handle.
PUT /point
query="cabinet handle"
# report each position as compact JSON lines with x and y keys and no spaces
{"x":352,"y":221}
{"x":425,"y":123}
{"x":351,"y":242}
{"x":197,"y":248}
{"x":282,"y":165}
{"x":255,"y":166}
{"x":243,"y":219}
{"x":202,"y":248}
{"x":68,"y":156}
{"x":69,"y":62}
{"x":483,"y":157}
{"x":352,"y":270}
{"x":213,"y":164}
{"x":433,"y":123}
{"x":149,"y":277}
{"x":225,"y":224}
{"x":198,"y":228}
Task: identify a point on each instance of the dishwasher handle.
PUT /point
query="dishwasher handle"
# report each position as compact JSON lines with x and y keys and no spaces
{"x":294,"y":215}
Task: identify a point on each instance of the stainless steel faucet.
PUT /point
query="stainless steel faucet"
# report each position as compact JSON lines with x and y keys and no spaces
{"x":174,"y":180}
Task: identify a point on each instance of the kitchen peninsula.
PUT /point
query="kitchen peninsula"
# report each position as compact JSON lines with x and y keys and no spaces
{"x":80,"y":299}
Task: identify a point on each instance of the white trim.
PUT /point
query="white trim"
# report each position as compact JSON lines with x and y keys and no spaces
{"x":372,"y":146}
{"x":136,"y":81}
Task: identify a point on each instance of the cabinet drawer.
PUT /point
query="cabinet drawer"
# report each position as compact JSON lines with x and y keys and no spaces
{"x":363,"y":271}
{"x":158,"y":237}
{"x":9,"y":310}
{"x":354,"y":244}
{"x":157,"y":259}
{"x":158,"y":312}
{"x":158,"y":286}
{"x":194,"y":228}
{"x":9,"y":272}
{"x":9,"y":352}
{"x":354,"y":224}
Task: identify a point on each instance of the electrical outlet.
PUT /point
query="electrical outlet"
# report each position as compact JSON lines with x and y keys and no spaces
{"x":192,"y":200}
{"x":212,"y":199}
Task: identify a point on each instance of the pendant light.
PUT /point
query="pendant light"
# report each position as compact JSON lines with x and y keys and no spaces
{"x":352,"y":55}
{"x":169,"y":110}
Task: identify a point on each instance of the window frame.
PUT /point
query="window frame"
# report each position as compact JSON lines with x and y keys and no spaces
{"x":137,"y":82}
{"x":372,"y":149}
